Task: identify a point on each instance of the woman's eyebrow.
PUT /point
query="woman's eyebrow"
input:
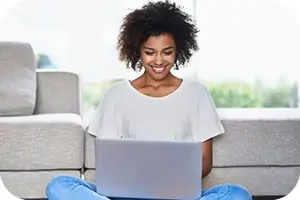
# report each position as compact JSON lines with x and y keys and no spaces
{"x":167,"y":48}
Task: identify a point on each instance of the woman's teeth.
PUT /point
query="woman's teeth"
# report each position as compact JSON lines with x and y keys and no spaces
{"x":158,"y":69}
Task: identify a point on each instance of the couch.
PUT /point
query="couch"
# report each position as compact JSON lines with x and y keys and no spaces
{"x":46,"y":136}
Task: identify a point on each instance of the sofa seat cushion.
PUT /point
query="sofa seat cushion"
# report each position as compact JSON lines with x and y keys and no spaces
{"x":18,"y":79}
{"x":258,"y":137}
{"x":260,"y":181}
{"x":31,"y":184}
{"x":41,"y":142}
{"x":89,"y":151}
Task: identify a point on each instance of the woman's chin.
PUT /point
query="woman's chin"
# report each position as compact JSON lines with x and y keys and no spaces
{"x":158,"y":76}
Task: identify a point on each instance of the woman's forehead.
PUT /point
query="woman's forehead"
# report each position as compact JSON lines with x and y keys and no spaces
{"x":161,"y":41}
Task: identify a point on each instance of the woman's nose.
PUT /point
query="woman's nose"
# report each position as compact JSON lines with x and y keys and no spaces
{"x":159,"y":60}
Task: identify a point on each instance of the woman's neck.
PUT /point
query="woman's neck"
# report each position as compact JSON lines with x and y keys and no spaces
{"x":148,"y":80}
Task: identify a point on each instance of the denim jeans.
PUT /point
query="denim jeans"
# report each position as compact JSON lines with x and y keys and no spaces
{"x":66,"y":187}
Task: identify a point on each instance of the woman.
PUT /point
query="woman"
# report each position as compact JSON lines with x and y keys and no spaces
{"x":157,"y":105}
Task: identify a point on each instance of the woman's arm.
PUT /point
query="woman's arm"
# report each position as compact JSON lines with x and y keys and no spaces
{"x":207,"y":152}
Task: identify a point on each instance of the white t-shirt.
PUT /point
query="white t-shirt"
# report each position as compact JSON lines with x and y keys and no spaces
{"x":188,"y":113}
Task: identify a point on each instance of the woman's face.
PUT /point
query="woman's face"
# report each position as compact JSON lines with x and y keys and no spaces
{"x":158,"y":55}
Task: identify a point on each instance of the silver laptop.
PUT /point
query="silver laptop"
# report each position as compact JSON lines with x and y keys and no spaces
{"x":128,"y":168}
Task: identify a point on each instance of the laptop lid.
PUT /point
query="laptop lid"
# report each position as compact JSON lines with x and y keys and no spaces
{"x":148,"y":169}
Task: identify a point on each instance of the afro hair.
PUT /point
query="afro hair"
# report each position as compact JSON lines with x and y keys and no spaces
{"x":153,"y":19}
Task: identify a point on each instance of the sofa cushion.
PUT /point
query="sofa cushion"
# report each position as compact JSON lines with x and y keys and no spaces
{"x":17,"y":79}
{"x":41,"y":142}
{"x":89,"y":151}
{"x":58,"y":92}
{"x":31,"y":184}
{"x":258,"y":137}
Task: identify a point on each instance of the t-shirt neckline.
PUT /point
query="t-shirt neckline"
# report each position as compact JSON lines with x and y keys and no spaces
{"x":172,"y":94}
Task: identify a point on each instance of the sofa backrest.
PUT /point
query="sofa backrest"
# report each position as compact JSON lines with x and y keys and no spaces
{"x":58,"y":92}
{"x":17,"y":79}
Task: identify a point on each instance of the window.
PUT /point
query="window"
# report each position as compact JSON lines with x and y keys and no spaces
{"x":249,"y":51}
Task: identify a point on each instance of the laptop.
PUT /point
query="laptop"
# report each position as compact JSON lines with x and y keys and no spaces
{"x":127,"y":168}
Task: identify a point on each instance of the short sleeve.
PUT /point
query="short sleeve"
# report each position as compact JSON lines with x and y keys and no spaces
{"x":104,"y":123}
{"x":207,"y":123}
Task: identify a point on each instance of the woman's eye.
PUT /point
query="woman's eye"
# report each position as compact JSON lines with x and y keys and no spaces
{"x":149,"y":53}
{"x":168,"y":52}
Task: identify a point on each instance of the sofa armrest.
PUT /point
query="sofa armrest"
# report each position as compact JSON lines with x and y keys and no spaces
{"x":58,"y":92}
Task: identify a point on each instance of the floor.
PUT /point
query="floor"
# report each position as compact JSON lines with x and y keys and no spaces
{"x":255,"y":198}
{"x":267,"y":198}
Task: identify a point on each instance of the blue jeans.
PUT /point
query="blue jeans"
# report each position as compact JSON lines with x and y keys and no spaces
{"x":65,"y":187}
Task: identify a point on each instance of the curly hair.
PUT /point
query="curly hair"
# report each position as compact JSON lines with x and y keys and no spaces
{"x":153,"y":19}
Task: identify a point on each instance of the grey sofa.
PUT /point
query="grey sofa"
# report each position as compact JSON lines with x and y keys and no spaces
{"x":260,"y":149}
